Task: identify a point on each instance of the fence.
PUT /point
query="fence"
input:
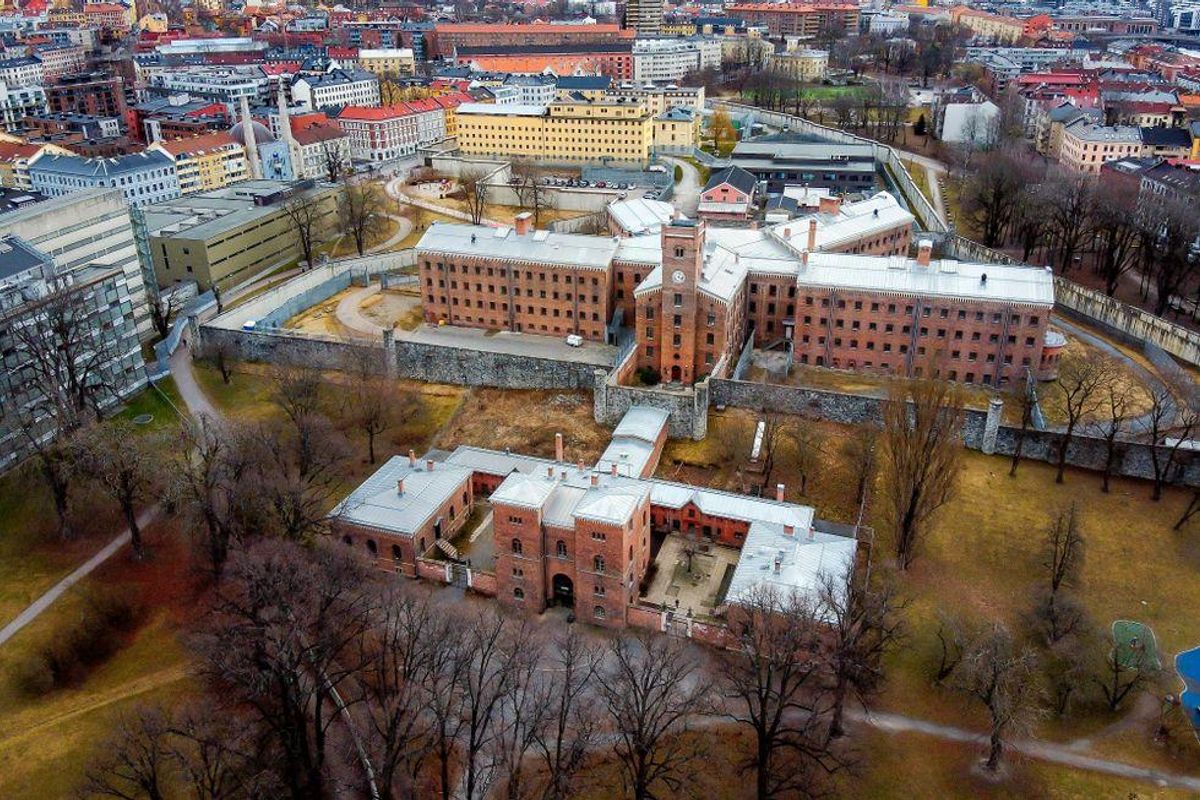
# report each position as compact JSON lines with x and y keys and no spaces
{"x":1125,"y":321}
{"x":884,"y":154}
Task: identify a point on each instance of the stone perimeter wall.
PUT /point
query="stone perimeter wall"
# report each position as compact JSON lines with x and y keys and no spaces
{"x":1133,"y":459}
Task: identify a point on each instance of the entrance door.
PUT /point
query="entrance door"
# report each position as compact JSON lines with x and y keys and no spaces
{"x":676,"y":373}
{"x":564,"y":591}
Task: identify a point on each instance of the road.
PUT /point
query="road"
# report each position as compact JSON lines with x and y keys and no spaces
{"x":687,"y":190}
{"x":934,"y":169}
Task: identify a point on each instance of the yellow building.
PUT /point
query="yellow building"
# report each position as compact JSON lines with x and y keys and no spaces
{"x":657,"y":98}
{"x":985,"y":25}
{"x":390,"y":61}
{"x":677,"y":130}
{"x":678,"y":28}
{"x":802,"y":64}
{"x":1086,"y":145}
{"x":561,"y":132}
{"x":203,"y":163}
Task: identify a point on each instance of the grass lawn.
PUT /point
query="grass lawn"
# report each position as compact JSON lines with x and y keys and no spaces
{"x":46,"y":741}
{"x":345,"y":246}
{"x":163,"y":404}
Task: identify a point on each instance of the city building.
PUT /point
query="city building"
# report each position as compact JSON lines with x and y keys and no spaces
{"x":144,"y":178}
{"x":320,"y":149}
{"x":677,"y":131}
{"x":780,"y":161}
{"x":34,"y":290}
{"x":671,"y":59}
{"x":804,"y":64}
{"x":612,"y":58}
{"x":729,"y":194}
{"x":380,"y":134}
{"x":336,"y":88}
{"x":445,"y":39}
{"x":61,"y":61}
{"x":1085,"y":145}
{"x":798,"y":19}
{"x":561,"y":132}
{"x":227,"y":236}
{"x":392,"y":62}
{"x":88,"y":228}
{"x":15,"y":158}
{"x":88,"y":93}
{"x":644,"y":16}
{"x":211,"y":161}
{"x":987,"y":26}
{"x":21,"y":71}
{"x":18,"y":102}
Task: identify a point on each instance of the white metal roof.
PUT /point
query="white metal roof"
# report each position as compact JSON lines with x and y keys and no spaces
{"x":639,"y":215}
{"x":803,"y":557}
{"x":376,"y":503}
{"x":852,"y":221}
{"x":642,"y":422}
{"x":571,"y":249}
{"x":645,"y":249}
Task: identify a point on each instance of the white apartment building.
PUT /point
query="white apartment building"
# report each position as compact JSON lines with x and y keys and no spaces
{"x":224,"y":85}
{"x":671,"y":59}
{"x":538,"y":90}
{"x":21,"y":71}
{"x":380,"y":134}
{"x":340,"y":87}
{"x":18,"y":102}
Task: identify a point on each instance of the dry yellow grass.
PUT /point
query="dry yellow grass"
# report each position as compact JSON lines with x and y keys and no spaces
{"x":526,"y":421}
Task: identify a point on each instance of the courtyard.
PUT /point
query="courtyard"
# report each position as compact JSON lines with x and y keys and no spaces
{"x":696,"y":588}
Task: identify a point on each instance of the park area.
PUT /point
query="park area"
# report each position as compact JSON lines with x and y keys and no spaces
{"x":982,"y":562}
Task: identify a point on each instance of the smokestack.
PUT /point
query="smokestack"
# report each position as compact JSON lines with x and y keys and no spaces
{"x":429,"y":465}
{"x":787,"y":233}
{"x":579,"y":465}
{"x":550,"y":472}
{"x":829,"y":205}
{"x":779,"y":492}
{"x":595,"y":480}
{"x":789,"y":530}
{"x":778,"y":563}
{"x":924,"y":252}
{"x":558,"y":447}
{"x":285,"y":129}
{"x":412,"y":458}
{"x":523,"y":223}
{"x":811,"y":533}
{"x":400,"y":486}
{"x":614,"y":469}
{"x":812,"y":234}
{"x":250,"y":140}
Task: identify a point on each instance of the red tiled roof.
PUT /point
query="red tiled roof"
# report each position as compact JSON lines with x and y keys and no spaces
{"x":375,"y":113}
{"x":10,"y":151}
{"x":104,"y":8}
{"x":342,"y":52}
{"x":318,"y":132}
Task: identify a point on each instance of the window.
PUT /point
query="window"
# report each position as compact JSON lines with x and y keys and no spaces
{"x":598,"y":590}
{"x":519,"y":593}
{"x":516,"y":546}
{"x":560,"y":549}
{"x":598,"y":612}
{"x":372,"y":548}
{"x":598,"y":564}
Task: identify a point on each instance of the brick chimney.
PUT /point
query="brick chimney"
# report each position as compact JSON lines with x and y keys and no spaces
{"x":924,"y":252}
{"x":778,"y":563}
{"x":412,"y":458}
{"x":789,"y":530}
{"x":812,"y":234}
{"x":550,"y":472}
{"x":429,"y":465}
{"x":787,"y":233}
{"x":829,"y":205}
{"x":400,"y":486}
{"x":595,"y":480}
{"x":779,"y":492}
{"x":812,"y":533}
{"x":614,"y":469}
{"x":804,"y":258}
{"x":523,"y":223}
{"x":558,"y":447}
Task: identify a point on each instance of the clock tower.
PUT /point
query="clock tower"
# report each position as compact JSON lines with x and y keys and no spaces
{"x":682,"y":260}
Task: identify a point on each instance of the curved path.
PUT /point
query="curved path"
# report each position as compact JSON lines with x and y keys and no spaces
{"x":686,"y":195}
{"x":349,"y":315}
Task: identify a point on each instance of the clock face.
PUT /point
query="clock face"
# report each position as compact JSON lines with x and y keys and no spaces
{"x":678,"y":276}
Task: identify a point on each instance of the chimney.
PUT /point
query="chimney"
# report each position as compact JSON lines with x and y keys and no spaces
{"x":550,"y":472}
{"x":595,"y":480}
{"x":400,"y":486}
{"x":778,"y":563}
{"x":429,"y":465}
{"x":812,"y":234}
{"x":789,"y":530}
{"x":779,"y":492}
{"x":829,"y":205}
{"x":787,"y":233}
{"x":580,"y":465}
{"x":558,"y":447}
{"x":811,"y":533}
{"x":804,"y":258}
{"x":412,"y":458}
{"x":523,"y":223}
{"x":924,"y":251}
{"x":613,"y":469}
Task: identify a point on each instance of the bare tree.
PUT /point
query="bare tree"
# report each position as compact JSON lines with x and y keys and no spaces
{"x":1080,"y":380}
{"x":308,"y":222}
{"x":217,"y":754}
{"x":1169,"y":230}
{"x":1002,"y":677}
{"x":220,"y":352}
{"x":1066,"y":672}
{"x":1165,"y":417}
{"x":136,"y":762}
{"x":1069,"y":197}
{"x":332,"y":160}
{"x":565,"y":737}
{"x":282,"y":641}
{"x":296,"y":390}
{"x":771,"y":683}
{"x":361,"y":213}
{"x":1025,"y":398}
{"x":371,"y":401}
{"x":922,"y":421}
{"x":955,"y":638}
{"x":1126,"y":668}
{"x":1114,"y":220}
{"x":864,"y":623}
{"x":992,"y":195}
{"x":126,"y":467}
{"x":300,"y":476}
{"x":651,"y":690}
{"x":860,"y":451}
{"x":1064,"y":547}
{"x":529,"y":185}
{"x":474,"y":194}
{"x":162,"y":312}
{"x":204,"y":477}
{"x":1116,"y":403}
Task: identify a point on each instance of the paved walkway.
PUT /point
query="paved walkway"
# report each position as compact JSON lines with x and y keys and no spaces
{"x":686,"y":195}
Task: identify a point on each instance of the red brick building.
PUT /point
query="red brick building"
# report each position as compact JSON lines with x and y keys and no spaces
{"x":445,"y":38}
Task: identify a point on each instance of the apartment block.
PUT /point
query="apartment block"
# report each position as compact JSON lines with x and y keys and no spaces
{"x":211,"y":161}
{"x":561,"y":132}
{"x":798,"y":19}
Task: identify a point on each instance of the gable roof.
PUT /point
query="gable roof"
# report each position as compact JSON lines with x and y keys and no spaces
{"x":735,"y":176}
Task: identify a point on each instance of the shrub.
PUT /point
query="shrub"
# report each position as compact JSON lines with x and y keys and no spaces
{"x":648,"y":375}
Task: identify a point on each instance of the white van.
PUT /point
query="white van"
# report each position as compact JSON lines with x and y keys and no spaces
{"x":574,"y":340}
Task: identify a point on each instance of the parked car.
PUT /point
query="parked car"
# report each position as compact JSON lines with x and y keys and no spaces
{"x":574,"y":340}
